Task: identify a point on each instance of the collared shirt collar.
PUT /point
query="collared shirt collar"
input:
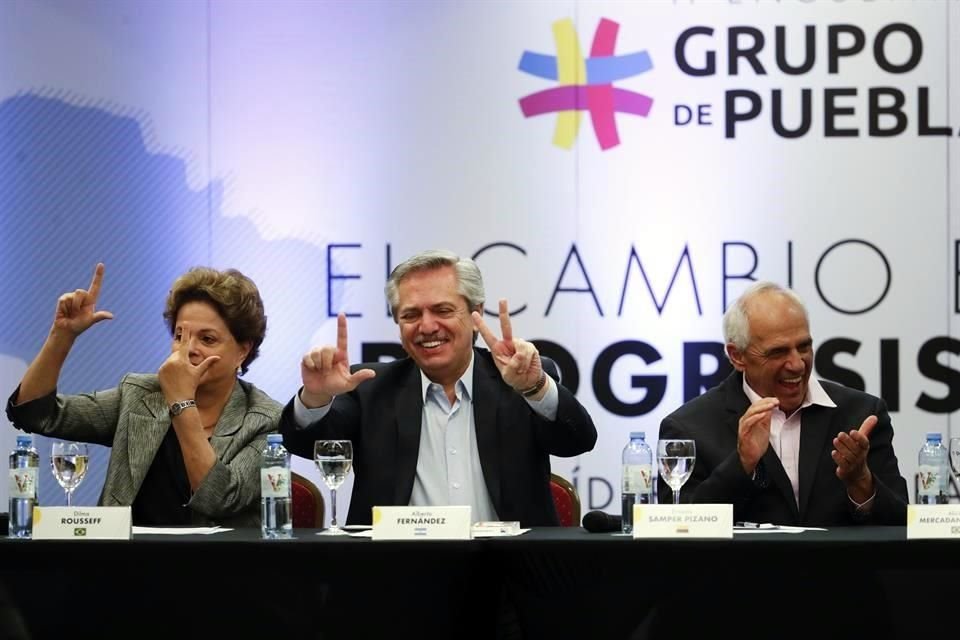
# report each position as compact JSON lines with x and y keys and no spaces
{"x":816,"y":394}
{"x":465,"y":382}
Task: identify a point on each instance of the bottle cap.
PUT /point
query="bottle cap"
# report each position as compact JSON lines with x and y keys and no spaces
{"x":25,"y":440}
{"x":933,"y":436}
{"x":275,"y":438}
{"x":638,"y":435}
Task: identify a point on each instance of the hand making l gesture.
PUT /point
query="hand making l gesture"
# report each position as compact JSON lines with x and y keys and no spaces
{"x":326,"y":371}
{"x":77,"y":310}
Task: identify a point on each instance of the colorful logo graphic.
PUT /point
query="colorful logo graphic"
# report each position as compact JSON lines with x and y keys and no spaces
{"x":585,"y":84}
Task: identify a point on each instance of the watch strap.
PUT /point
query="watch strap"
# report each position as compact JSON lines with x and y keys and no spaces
{"x":179,"y":406}
{"x":535,"y":389}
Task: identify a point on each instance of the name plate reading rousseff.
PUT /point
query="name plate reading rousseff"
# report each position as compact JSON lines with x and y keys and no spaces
{"x":81,"y":523}
{"x":933,"y":521}
{"x":421,"y":523}
{"x":683,"y":521}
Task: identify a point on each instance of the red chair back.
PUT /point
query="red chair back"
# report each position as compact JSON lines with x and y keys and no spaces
{"x":307,"y":503}
{"x":566,"y":501}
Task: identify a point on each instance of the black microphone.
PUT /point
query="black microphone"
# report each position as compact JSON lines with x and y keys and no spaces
{"x":600,"y":522}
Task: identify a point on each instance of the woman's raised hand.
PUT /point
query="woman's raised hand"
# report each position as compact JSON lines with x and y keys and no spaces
{"x":77,"y":311}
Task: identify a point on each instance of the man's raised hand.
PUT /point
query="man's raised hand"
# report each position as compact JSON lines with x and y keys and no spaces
{"x":326,"y":371}
{"x":753,"y":432}
{"x":517,"y":360}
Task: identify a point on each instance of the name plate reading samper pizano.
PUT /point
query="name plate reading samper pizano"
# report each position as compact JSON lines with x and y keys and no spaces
{"x":421,"y":523}
{"x":927,"y":521}
{"x":81,"y":523}
{"x":683,"y":521}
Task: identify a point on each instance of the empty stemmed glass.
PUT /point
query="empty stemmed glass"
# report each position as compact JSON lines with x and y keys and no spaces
{"x":68,"y":461}
{"x":676,"y":459}
{"x":334,"y":459}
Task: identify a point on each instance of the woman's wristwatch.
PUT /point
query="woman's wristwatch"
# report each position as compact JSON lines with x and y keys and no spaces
{"x":178,"y":407}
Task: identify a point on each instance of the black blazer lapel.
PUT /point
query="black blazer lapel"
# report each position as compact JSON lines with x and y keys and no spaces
{"x":486,"y":400}
{"x":815,"y":434}
{"x":409,"y":424}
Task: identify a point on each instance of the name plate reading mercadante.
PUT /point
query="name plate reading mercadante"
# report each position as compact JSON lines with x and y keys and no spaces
{"x":81,"y":523}
{"x":421,"y":523}
{"x":683,"y":521}
{"x":933,"y":521}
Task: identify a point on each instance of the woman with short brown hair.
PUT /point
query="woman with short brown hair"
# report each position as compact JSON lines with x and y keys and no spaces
{"x":185,"y":441}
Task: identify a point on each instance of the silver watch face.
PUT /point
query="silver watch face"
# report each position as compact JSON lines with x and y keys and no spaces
{"x":177,"y":407}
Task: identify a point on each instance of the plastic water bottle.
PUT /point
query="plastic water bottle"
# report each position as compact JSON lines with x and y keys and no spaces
{"x":24,"y":463}
{"x":275,"y":500}
{"x":934,"y":473}
{"x":637,"y":477}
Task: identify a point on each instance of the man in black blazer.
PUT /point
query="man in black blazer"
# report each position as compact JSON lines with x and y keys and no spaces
{"x":778,"y":445}
{"x":450,"y":423}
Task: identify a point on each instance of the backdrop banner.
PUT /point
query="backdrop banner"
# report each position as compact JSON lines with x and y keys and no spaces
{"x":620,"y":171}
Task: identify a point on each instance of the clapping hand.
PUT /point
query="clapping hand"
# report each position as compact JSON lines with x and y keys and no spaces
{"x":517,"y":360}
{"x":326,"y":371}
{"x":753,"y":432}
{"x":179,"y":378}
{"x":76,"y":311}
{"x":850,"y":452}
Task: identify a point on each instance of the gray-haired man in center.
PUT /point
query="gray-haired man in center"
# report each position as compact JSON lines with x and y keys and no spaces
{"x":450,"y":424}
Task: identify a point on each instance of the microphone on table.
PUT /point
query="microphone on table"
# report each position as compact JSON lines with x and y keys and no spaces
{"x":600,"y":522}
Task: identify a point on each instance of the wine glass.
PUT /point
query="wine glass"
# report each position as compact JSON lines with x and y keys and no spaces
{"x":334,"y":458}
{"x":955,"y":459}
{"x":676,"y":459}
{"x":68,"y":461}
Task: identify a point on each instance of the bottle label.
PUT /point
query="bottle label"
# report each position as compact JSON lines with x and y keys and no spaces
{"x":928,"y":480}
{"x":275,"y":482}
{"x":637,"y":478}
{"x":23,"y":483}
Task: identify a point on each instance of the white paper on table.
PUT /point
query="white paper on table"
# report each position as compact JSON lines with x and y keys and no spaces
{"x":178,"y":531}
{"x":774,"y":528}
{"x":476,"y":534}
{"x":481,"y":533}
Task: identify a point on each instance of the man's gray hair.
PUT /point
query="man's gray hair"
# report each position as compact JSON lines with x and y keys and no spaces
{"x":469,"y":280}
{"x":736,"y":324}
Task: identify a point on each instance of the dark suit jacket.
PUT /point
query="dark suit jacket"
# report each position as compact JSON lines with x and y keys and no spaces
{"x":382,"y":417}
{"x":711,"y":420}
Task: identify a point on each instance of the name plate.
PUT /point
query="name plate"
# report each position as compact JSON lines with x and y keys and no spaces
{"x":683,"y":521}
{"x":421,"y":523}
{"x":81,"y":523}
{"x":933,"y":521}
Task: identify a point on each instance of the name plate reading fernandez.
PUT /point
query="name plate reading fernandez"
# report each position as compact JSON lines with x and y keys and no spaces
{"x":81,"y":523}
{"x":421,"y":523}
{"x":933,"y":521}
{"x":683,"y":521}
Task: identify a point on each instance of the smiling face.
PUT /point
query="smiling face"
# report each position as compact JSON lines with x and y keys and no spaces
{"x":436,"y":329}
{"x":210,"y":337}
{"x":779,"y":357}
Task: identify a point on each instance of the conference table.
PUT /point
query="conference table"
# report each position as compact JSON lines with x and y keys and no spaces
{"x":547,"y":583}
